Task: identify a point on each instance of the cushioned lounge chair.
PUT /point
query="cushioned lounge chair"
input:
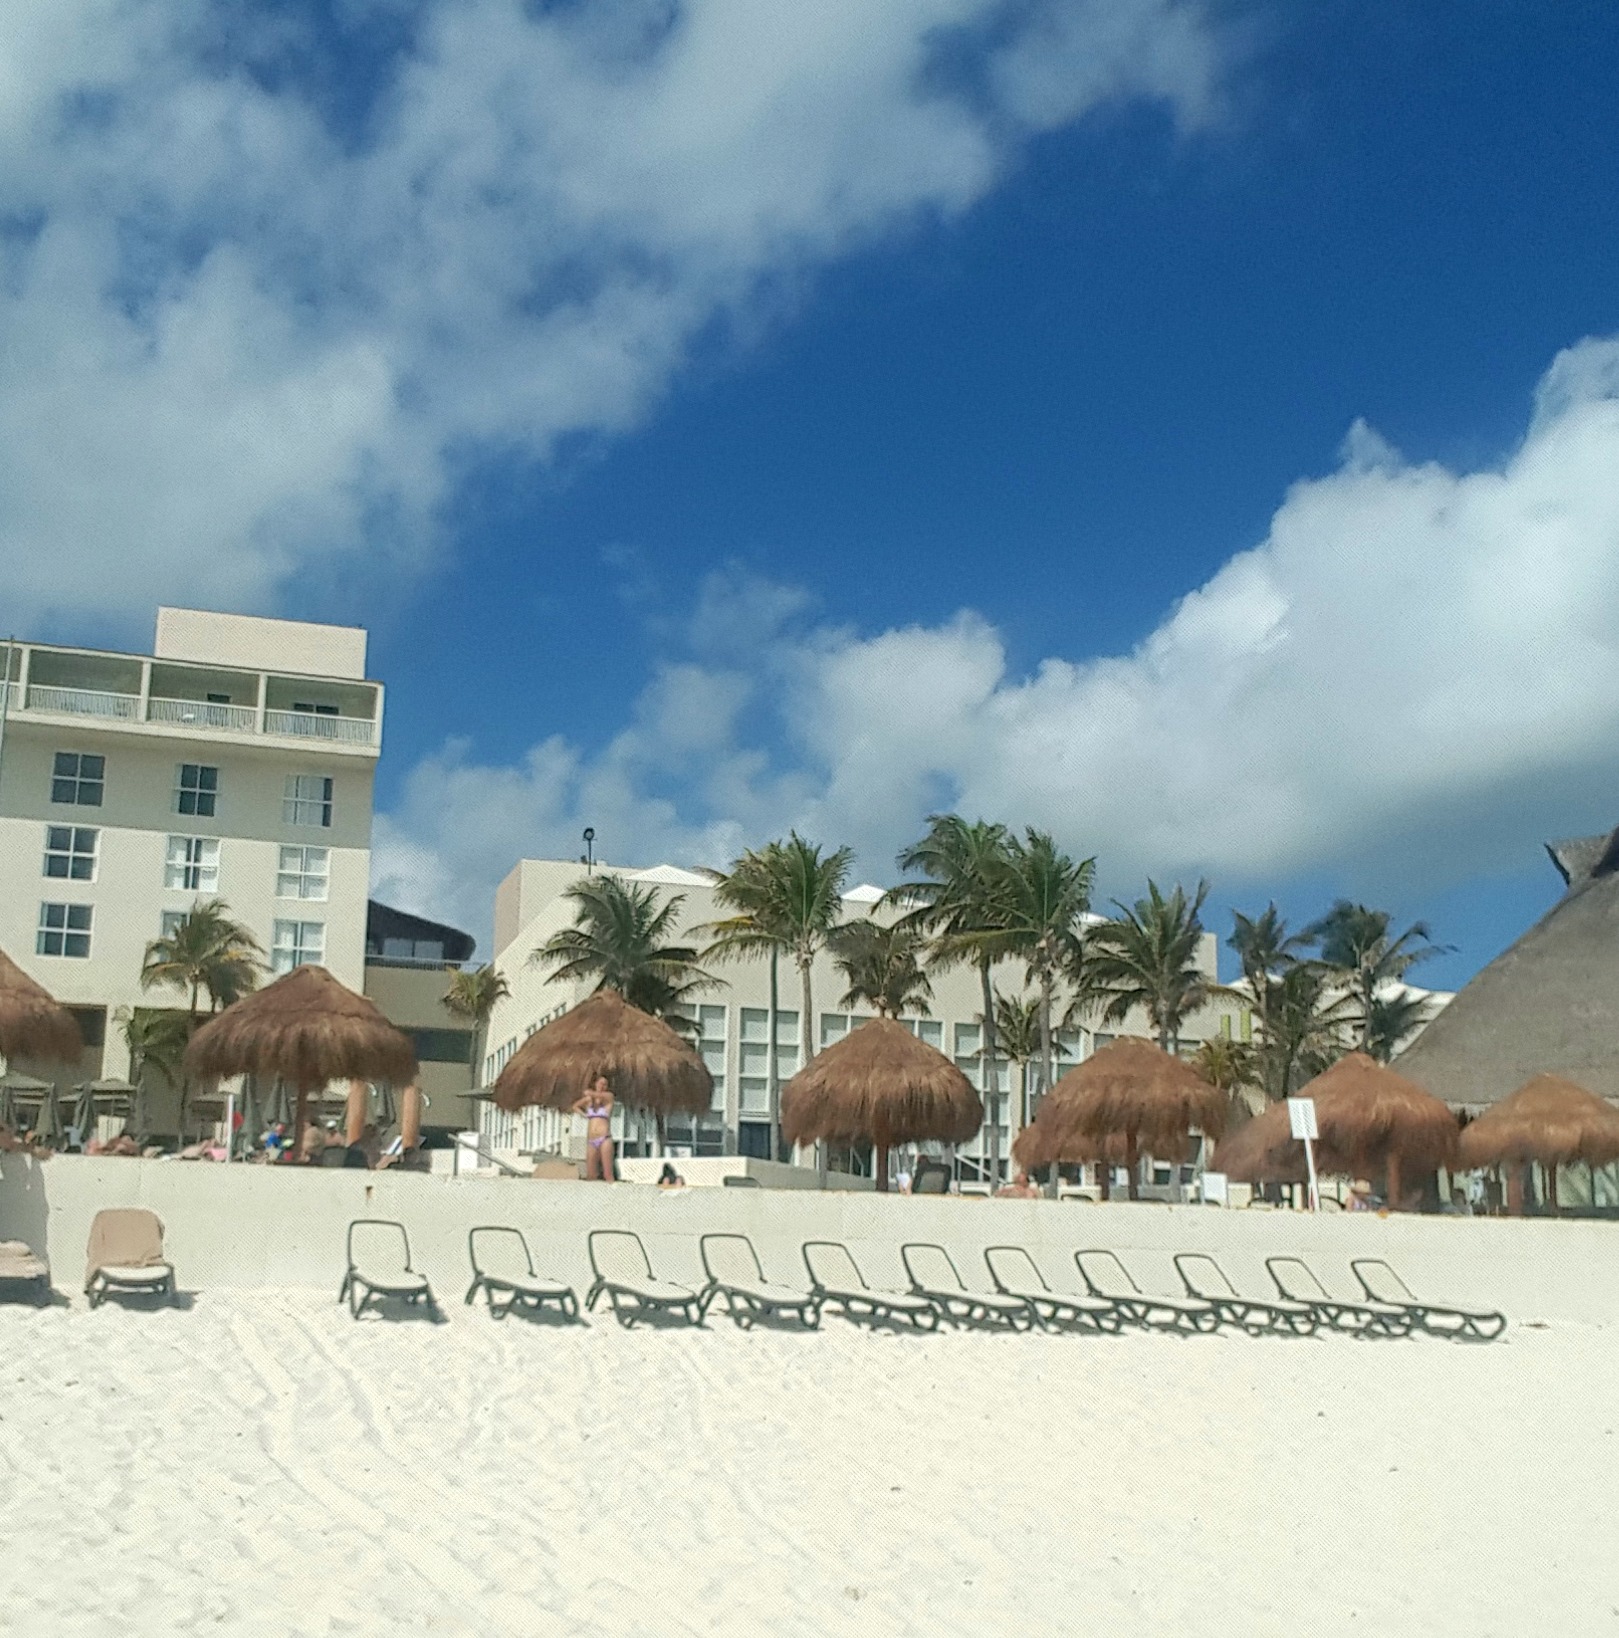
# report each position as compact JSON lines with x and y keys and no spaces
{"x":1105,"y":1276}
{"x":503,"y":1269}
{"x":125,"y":1256}
{"x":930,"y":1177}
{"x":934,"y":1275}
{"x":1016,"y":1273}
{"x":735,"y":1273}
{"x":1296,"y":1280}
{"x":1203,"y":1277}
{"x":835,"y":1277}
{"x":379,"y":1267}
{"x":22,"y":1273}
{"x":1382,"y":1284}
{"x":624,"y":1274}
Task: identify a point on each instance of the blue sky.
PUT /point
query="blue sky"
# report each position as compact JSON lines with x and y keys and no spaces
{"x":725,"y":418}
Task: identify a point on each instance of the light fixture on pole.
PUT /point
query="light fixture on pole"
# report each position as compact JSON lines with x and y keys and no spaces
{"x":589,"y":860}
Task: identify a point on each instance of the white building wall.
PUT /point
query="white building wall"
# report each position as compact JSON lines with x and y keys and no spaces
{"x":952,"y":1022}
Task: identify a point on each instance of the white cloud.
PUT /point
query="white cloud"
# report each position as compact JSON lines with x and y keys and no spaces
{"x":246,"y":329}
{"x":1415,"y":661}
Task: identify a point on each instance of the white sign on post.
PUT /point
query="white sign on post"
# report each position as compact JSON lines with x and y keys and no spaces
{"x":1301,"y":1121}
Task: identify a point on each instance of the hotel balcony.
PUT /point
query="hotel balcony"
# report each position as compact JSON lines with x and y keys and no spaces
{"x":53,"y":685}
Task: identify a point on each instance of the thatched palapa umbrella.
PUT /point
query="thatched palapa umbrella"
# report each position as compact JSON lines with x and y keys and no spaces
{"x":32,"y":1025}
{"x":880,"y":1085}
{"x":307,"y":1029}
{"x":646,"y":1064}
{"x":1128,"y":1099}
{"x":1548,"y":1121}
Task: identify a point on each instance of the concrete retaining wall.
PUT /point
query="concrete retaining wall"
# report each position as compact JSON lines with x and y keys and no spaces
{"x":250,"y":1226}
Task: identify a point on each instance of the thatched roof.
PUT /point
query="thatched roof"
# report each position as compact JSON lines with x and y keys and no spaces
{"x":646,"y":1064}
{"x":1031,"y":1148}
{"x":1549,"y":1004}
{"x":1367,"y":1112}
{"x":32,"y":1025}
{"x":1130,"y":1090}
{"x":1548,"y":1120}
{"x":1264,"y":1150}
{"x":307,"y":1029}
{"x":881,"y":1085}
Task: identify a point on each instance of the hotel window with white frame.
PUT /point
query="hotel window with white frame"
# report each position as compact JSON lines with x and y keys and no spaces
{"x":192,"y":864}
{"x":64,"y":930}
{"x":70,"y":853}
{"x":78,"y":779}
{"x":196,"y":789}
{"x":168,"y":923}
{"x":753,"y":1080}
{"x":297,"y":944}
{"x":307,"y":800}
{"x":303,"y":873}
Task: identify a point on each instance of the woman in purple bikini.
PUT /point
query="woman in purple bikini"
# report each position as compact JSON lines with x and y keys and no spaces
{"x":596,"y":1105}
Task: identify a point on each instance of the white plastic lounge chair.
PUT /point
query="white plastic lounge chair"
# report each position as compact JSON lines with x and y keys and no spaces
{"x":502,"y":1267}
{"x":735,"y":1273}
{"x":934,"y":1275}
{"x":624,"y":1272}
{"x":379,"y":1266}
{"x":1203,"y":1277}
{"x":21,"y":1270}
{"x":1016,"y":1273}
{"x":125,"y":1255}
{"x":835,"y":1277}
{"x":1105,"y":1276}
{"x":1381,"y":1284}
{"x":1296,"y":1280}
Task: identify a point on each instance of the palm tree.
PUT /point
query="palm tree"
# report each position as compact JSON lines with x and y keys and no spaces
{"x":204,"y":953}
{"x":785,"y":899}
{"x":472,"y":995}
{"x":1265,"y":949}
{"x":155,"y":1038}
{"x":1309,"y":1020}
{"x":960,"y":902}
{"x":1017,"y":1031}
{"x":883,"y":964}
{"x":1356,"y":946}
{"x":1227,"y":1065}
{"x":1147,"y":958}
{"x":1396,"y":1016}
{"x":620,"y":938}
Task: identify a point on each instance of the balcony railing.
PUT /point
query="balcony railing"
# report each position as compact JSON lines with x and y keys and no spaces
{"x":318,"y":725}
{"x":84,"y":702}
{"x":242,"y":719}
{"x":203,"y":715}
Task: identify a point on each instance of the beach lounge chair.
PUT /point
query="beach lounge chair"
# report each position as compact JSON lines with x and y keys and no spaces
{"x":502,"y":1267}
{"x":934,"y":1275}
{"x":1382,"y":1284}
{"x":1106,"y":1277}
{"x":835,"y":1277}
{"x":1016,"y":1273}
{"x":1203,"y":1277}
{"x":125,"y":1255}
{"x":624,"y":1272}
{"x":1295,"y":1280}
{"x":742,"y":1183}
{"x":379,"y":1267}
{"x":735,"y":1273}
{"x":930,"y":1177}
{"x":21,"y":1272}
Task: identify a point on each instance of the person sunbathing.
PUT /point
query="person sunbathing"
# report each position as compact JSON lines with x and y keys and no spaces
{"x":1020,"y":1188}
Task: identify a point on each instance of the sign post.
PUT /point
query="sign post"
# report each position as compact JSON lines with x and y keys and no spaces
{"x":1301,"y":1120}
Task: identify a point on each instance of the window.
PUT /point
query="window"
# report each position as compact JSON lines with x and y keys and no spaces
{"x":64,"y":930}
{"x":302,"y":873}
{"x":192,"y":864}
{"x":196,"y":789}
{"x":441,"y":1046}
{"x":169,"y":922}
{"x":70,"y":853}
{"x":307,"y":800}
{"x":753,"y":1083}
{"x":427,"y":951}
{"x":78,"y":779}
{"x":297,"y":944}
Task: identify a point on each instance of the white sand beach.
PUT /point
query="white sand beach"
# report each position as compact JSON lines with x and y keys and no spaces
{"x":259,"y":1464}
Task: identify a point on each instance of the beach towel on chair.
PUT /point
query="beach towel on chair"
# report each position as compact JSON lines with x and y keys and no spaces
{"x":124,"y":1237}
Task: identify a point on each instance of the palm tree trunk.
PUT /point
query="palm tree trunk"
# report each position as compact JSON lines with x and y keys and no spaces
{"x":772,"y":1076}
{"x":987,"y":1076}
{"x":1046,"y":982}
{"x":879,"y":1142}
{"x":805,"y":1052}
{"x":1132,"y":1161}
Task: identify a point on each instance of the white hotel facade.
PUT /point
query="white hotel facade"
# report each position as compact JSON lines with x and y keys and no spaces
{"x":735,"y":1025}
{"x":234,"y":762}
